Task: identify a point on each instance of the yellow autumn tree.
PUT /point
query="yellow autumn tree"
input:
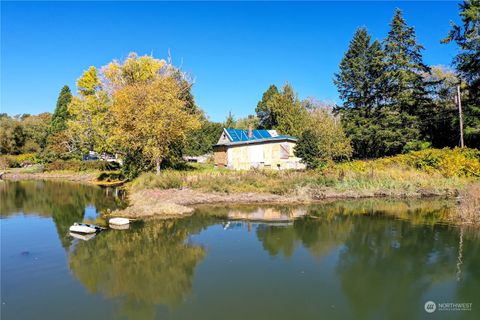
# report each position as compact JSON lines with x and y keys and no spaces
{"x":135,"y":69}
{"x":91,"y":120}
{"x":149,"y":108}
{"x":141,"y":106}
{"x":333,"y":143}
{"x":151,"y":117}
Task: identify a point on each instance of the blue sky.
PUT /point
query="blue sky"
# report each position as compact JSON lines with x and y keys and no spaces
{"x":234,"y":50}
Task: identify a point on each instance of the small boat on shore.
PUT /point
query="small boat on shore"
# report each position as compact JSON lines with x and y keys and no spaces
{"x":118,"y":221}
{"x":85,"y":228}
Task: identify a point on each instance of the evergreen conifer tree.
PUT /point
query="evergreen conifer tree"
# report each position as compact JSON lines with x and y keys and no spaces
{"x":406,"y":88}
{"x":60,"y":115}
{"x":264,"y":113}
{"x":307,"y":149}
{"x":361,"y":84}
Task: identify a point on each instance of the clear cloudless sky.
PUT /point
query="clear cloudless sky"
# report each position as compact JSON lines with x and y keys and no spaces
{"x":234,"y":50}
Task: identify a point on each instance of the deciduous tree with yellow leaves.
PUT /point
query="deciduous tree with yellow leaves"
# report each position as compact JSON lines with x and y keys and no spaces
{"x":150,"y":116}
{"x":91,"y":119}
{"x":141,"y":106}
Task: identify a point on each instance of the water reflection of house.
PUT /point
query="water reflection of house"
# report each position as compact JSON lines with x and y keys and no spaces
{"x":246,"y":149}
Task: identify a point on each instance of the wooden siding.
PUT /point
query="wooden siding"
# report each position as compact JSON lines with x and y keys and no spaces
{"x":220,"y":156}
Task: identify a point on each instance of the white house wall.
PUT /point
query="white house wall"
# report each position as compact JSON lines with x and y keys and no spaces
{"x":265,"y":155}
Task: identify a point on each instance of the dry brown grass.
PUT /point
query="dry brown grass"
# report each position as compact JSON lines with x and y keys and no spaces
{"x":144,"y":205}
{"x":468,"y":210}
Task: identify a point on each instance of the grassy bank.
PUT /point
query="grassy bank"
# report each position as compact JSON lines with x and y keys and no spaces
{"x":28,"y":167}
{"x":422,"y":173}
{"x":34,"y":173}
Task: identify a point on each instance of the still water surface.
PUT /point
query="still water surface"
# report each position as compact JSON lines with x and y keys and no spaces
{"x":343,"y":260}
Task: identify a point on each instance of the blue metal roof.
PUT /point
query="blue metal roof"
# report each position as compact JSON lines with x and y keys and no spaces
{"x":239,"y":135}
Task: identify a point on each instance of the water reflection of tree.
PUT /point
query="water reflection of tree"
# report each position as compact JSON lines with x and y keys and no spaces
{"x":143,"y":267}
{"x":63,"y":201}
{"x":386,"y":265}
{"x":320,"y":236}
{"x":468,"y":276}
{"x":328,"y":225}
{"x":388,"y":261}
{"x":277,"y":239}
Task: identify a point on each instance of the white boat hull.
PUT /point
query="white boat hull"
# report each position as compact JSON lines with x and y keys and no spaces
{"x":119,"y":221}
{"x":82,"y":229}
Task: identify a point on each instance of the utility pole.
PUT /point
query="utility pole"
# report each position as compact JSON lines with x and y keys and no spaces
{"x":460,"y":116}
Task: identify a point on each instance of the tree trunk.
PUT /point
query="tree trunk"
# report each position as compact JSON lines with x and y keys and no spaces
{"x":157,"y":164}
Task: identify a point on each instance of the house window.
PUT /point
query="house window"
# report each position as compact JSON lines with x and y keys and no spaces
{"x":284,"y":150}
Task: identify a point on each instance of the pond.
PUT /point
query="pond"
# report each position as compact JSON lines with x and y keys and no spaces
{"x":338,"y":260}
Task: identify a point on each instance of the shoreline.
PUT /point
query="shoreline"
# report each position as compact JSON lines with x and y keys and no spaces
{"x":173,"y":203}
{"x":157,"y":203}
{"x":72,"y":176}
{"x":463,"y":209}
{"x":59,"y":176}
{"x":191,"y":196}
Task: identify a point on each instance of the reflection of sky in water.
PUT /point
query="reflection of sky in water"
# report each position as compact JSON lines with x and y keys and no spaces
{"x":90,"y":213}
{"x":395,"y":244}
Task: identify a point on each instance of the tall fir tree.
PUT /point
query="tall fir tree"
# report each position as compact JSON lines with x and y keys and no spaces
{"x":360,"y":83}
{"x":384,"y":91}
{"x":376,"y":68}
{"x":264,"y":113}
{"x":353,"y":81}
{"x":406,"y":92}
{"x":406,"y":88}
{"x":467,"y":63}
{"x":60,"y":115}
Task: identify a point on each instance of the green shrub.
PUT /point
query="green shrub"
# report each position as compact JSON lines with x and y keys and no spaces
{"x":416,"y":145}
{"x":19,"y":161}
{"x":110,"y":176}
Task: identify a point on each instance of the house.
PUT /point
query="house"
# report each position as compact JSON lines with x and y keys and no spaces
{"x":246,"y":149}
